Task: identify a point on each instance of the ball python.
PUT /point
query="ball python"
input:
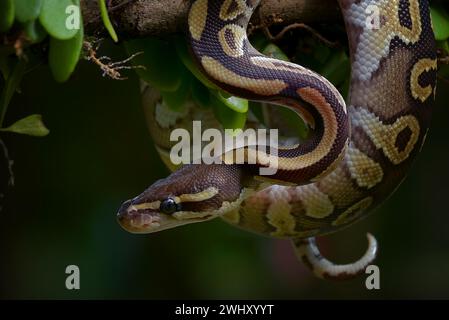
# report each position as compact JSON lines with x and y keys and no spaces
{"x":357,"y":155}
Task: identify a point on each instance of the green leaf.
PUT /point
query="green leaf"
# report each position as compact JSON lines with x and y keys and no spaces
{"x":228,"y":118}
{"x":259,"y":41}
{"x":337,"y":68}
{"x":176,"y":100}
{"x":64,"y":55}
{"x":234,"y":103}
{"x":293,"y":121}
{"x":200,"y":93}
{"x":106,"y":20}
{"x":163,"y":70}
{"x":11,"y":85}
{"x":258,"y":111}
{"x":183,"y":53}
{"x":321,"y":52}
{"x":6,"y":14}
{"x":31,"y":125}
{"x":56,"y":18}
{"x":440,"y":21}
{"x":445,"y":46}
{"x":273,"y":51}
{"x":34,"y":31}
{"x":308,"y":55}
{"x":27,"y":10}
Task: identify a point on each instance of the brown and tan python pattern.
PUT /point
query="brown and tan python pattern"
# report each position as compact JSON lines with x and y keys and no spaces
{"x":392,"y":89}
{"x":393,"y":84}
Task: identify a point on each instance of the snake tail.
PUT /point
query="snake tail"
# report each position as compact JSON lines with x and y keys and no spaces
{"x":308,"y":251}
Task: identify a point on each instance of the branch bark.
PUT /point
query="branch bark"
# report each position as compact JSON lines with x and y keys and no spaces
{"x":141,"y":18}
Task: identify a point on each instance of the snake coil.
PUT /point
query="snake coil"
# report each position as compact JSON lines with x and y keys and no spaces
{"x":358,"y":154}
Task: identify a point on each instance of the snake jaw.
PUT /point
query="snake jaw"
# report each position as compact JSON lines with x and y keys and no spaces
{"x":144,"y":221}
{"x":137,"y":220}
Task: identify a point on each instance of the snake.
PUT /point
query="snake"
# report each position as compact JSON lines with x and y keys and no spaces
{"x":358,"y":152}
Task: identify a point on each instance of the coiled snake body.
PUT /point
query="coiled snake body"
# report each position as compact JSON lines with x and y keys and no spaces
{"x":357,"y":155}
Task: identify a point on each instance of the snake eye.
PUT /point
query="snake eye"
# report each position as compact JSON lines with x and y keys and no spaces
{"x":168,"y":206}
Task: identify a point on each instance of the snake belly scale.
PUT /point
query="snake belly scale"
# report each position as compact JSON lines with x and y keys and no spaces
{"x":359,"y":151}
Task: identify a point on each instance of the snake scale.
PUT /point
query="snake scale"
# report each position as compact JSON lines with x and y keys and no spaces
{"x":358,"y":154}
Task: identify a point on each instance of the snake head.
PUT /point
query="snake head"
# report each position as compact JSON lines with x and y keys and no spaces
{"x":194,"y":193}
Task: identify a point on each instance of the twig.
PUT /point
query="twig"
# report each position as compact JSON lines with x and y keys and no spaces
{"x":109,"y":68}
{"x":444,"y":60}
{"x":443,"y":56}
{"x":143,"y":18}
{"x":16,"y":42}
{"x":293,"y":26}
{"x":120,"y":5}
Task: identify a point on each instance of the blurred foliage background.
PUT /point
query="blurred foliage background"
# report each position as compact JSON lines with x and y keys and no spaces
{"x":69,"y":185}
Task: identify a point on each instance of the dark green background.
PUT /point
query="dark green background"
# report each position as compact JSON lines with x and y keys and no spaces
{"x":70,"y":184}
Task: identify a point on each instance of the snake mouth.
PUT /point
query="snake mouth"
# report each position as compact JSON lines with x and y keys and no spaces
{"x":135,"y":219}
{"x":138,"y":221}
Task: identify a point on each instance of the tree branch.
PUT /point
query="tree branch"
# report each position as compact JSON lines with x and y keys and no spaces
{"x":140,"y":18}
